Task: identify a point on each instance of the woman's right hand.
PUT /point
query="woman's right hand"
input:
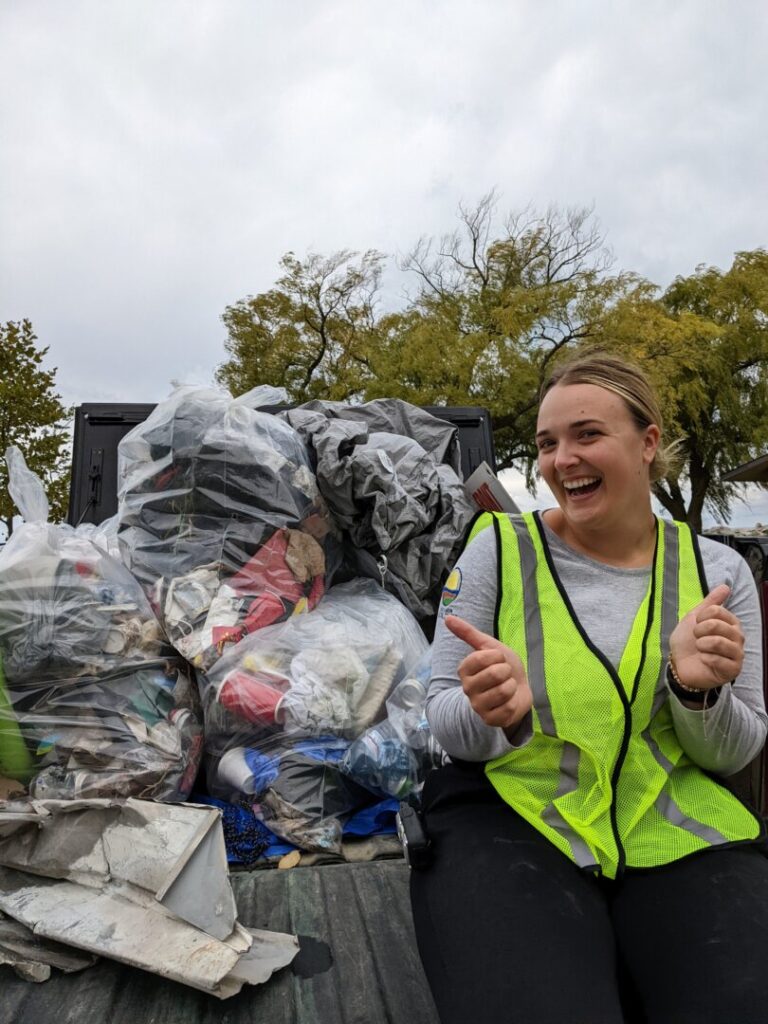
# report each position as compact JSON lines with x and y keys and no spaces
{"x":492,"y":676}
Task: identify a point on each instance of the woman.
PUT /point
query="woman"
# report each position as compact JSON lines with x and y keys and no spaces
{"x":596,"y":672}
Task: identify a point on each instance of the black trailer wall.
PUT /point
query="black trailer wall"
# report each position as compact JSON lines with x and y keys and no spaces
{"x":99,"y":428}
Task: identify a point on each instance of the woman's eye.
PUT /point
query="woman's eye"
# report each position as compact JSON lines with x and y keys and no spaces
{"x":545,"y":445}
{"x":589,"y":433}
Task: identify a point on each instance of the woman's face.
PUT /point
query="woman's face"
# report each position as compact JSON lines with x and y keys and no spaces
{"x":593,"y":456}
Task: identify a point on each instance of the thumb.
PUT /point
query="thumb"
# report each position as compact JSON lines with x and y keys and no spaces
{"x":470,"y":635}
{"x":718,"y":595}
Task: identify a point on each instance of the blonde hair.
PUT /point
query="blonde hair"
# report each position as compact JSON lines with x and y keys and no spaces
{"x":625,"y":379}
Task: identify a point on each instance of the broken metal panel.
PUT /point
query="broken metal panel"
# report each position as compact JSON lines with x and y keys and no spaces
{"x":175,"y":852}
{"x":57,"y":845}
{"x":32,"y":957}
{"x":97,"y":921}
{"x":205,"y":872}
{"x":104,"y":923}
{"x":140,"y":882}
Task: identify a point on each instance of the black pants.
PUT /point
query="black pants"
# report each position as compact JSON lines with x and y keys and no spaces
{"x":511,"y":932}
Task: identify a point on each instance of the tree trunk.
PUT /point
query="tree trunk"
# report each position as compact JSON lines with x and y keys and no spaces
{"x":700,"y":478}
{"x":671,"y":499}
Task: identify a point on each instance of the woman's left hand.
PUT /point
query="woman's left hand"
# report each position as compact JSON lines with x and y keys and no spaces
{"x":707,"y":645}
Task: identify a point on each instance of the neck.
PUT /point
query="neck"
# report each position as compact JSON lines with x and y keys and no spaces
{"x":630,"y":547}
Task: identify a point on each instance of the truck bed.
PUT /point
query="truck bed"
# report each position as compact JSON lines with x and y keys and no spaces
{"x":358,"y":962}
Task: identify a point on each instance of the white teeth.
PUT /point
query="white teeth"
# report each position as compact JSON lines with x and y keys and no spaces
{"x":582,"y":481}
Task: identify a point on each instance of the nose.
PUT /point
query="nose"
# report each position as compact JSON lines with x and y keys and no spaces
{"x":566,"y":456}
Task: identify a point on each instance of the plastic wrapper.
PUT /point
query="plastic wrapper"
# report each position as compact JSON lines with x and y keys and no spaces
{"x":282,"y":707}
{"x":93,"y":700}
{"x":394,"y":756}
{"x":104,"y":535}
{"x":221,"y":520}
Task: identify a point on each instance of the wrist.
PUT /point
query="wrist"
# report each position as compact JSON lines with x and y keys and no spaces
{"x":519,"y":733}
{"x":692,"y":695}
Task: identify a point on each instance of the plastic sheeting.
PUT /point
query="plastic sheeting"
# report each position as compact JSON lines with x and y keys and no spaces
{"x":220,"y":518}
{"x":93,"y":701}
{"x":389,"y":473}
{"x":282,"y":707}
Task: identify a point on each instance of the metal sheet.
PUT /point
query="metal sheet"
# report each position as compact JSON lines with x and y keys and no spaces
{"x":175,"y":852}
{"x":32,"y":957}
{"x":143,"y":883}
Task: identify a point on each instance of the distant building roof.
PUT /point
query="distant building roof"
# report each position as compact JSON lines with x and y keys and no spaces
{"x":755,"y":471}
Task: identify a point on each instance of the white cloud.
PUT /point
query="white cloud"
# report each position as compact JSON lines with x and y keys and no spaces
{"x":159,"y":157}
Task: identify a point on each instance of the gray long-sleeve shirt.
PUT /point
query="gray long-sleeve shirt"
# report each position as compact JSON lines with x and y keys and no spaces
{"x":722,"y":738}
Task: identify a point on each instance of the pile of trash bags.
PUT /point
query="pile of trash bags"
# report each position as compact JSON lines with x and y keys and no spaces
{"x":270,"y":576}
{"x":93,"y":700}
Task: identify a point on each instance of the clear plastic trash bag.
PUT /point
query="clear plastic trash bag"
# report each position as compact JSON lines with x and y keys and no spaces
{"x":220,"y":519}
{"x":320,"y":679}
{"x":93,"y":700}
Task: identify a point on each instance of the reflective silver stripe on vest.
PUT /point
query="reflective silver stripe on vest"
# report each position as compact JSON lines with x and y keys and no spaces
{"x":664,"y":803}
{"x":668,"y":809}
{"x":569,"y":781}
{"x":569,"y":769}
{"x":670,"y":595}
{"x":580,"y":852}
{"x":534,"y":634}
{"x":669,"y":613}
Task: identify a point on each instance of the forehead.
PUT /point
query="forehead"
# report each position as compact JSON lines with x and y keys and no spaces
{"x":571,"y":403}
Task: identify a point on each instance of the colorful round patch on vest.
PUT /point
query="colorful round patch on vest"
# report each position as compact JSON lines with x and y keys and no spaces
{"x":451,"y":588}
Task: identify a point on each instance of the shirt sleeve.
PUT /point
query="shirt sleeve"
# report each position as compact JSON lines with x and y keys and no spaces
{"x":471,"y":593}
{"x":725,"y":737}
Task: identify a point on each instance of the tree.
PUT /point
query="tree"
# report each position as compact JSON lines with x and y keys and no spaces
{"x":33,"y":418}
{"x":493,"y":304}
{"x":496,"y":304}
{"x":311,"y":333}
{"x":704,"y":343}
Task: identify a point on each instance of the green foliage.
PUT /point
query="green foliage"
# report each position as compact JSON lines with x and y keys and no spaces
{"x":33,"y":418}
{"x":492,"y":304}
{"x":704,"y":343}
{"x":491,"y":308}
{"x":496,"y":303}
{"x":311,"y":333}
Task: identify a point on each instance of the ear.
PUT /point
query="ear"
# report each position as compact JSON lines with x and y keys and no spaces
{"x":651,"y":438}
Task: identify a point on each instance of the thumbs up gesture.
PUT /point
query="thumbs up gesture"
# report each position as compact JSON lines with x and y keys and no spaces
{"x":492,"y":676}
{"x":707,"y":645}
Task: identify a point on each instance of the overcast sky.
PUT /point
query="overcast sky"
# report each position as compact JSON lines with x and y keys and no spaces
{"x":159,"y":156}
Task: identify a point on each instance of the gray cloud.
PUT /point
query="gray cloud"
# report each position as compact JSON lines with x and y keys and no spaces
{"x":159,"y":157}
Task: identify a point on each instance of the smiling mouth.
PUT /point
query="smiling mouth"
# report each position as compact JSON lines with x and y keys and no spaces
{"x":581,"y":487}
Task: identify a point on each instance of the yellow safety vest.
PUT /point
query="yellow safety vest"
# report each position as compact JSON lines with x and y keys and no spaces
{"x":604,"y":777}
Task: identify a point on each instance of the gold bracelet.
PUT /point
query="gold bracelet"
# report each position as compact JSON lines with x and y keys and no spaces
{"x":676,"y":677}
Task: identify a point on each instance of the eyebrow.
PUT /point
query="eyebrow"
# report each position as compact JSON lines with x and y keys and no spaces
{"x":572,"y":426}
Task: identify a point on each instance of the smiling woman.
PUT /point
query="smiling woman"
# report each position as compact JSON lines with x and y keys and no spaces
{"x":598,"y":437}
{"x":594,"y":675}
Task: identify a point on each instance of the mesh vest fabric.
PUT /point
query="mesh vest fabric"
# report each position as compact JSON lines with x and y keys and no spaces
{"x":603,"y":776}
